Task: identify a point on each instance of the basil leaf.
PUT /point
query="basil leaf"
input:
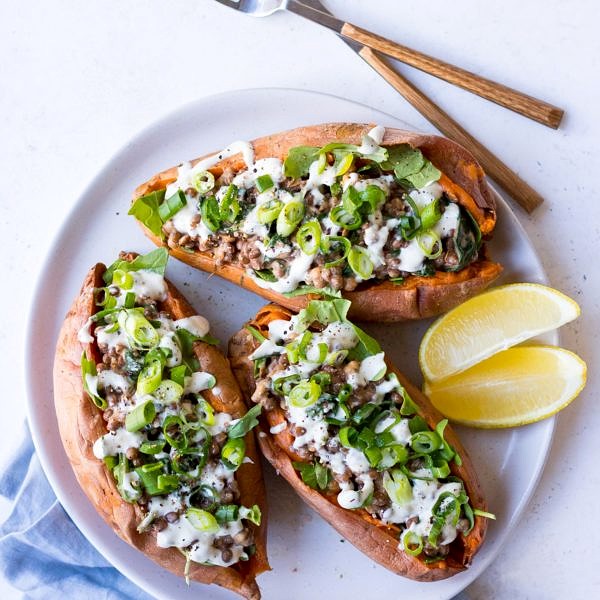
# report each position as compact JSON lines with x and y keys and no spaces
{"x":245,"y":424}
{"x":155,"y":261}
{"x":298,"y":161}
{"x":146,"y":211}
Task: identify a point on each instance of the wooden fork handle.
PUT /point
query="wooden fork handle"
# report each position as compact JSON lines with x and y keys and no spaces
{"x":518,"y":189}
{"x":535,"y":109}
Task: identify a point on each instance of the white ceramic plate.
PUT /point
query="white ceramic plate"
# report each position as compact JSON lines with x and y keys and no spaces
{"x":306,"y":554}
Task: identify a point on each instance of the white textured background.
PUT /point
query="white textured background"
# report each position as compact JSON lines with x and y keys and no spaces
{"x":78,"y":79}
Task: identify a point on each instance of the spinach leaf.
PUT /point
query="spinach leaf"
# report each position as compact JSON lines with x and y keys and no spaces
{"x":302,"y":290}
{"x":428,"y":174}
{"x":367,"y":346}
{"x":146,"y":211}
{"x":155,"y":261}
{"x":245,"y":424}
{"x":315,"y":476}
{"x":266,"y":275}
{"x":404,"y":160}
{"x":298,"y":161}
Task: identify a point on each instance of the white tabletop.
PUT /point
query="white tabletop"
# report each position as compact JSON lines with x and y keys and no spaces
{"x":78,"y":79}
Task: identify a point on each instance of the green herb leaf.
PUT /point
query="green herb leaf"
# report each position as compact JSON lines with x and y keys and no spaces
{"x":404,"y":160}
{"x":428,"y":174}
{"x":90,"y":382}
{"x":315,"y":476}
{"x":146,"y":211}
{"x":298,"y":161}
{"x":248,"y":422}
{"x":302,"y":290}
{"x":155,"y":261}
{"x":265,"y":275}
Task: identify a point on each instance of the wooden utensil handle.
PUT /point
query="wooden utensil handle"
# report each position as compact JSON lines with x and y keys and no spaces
{"x":525,"y":195}
{"x":535,"y":109}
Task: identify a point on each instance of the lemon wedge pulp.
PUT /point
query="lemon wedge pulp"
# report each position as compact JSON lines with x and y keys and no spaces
{"x":514,"y":387}
{"x":493,"y":321}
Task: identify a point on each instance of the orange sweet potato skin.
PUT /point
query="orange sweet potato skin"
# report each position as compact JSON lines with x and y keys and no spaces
{"x":377,"y":541}
{"x":417,"y":297}
{"x":81,"y":423}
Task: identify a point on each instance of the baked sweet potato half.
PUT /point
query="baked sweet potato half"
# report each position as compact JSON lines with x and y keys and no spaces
{"x":391,"y":220}
{"x":155,"y":428}
{"x":358,"y":442}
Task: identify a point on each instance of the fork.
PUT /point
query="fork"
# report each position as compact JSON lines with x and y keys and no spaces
{"x":503,"y":175}
{"x":526,"y":105}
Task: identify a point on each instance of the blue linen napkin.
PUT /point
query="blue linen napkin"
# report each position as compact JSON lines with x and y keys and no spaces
{"x":42,"y":553}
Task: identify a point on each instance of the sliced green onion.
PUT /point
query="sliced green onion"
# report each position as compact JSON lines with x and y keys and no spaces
{"x":202,"y":520}
{"x":171,"y":206}
{"x":348,"y":437}
{"x":289,"y":218}
{"x":483,"y":513}
{"x":371,"y":197}
{"x":104,"y":299}
{"x":233,"y":452}
{"x":122,"y":279}
{"x":189,"y":462}
{"x":360,"y":263}
{"x":446,"y":452}
{"x":227,"y":513}
{"x":323,"y":379}
{"x":152,"y":447}
{"x":168,"y":392}
{"x":205,"y":497}
{"x":417,"y":423}
{"x":148,"y":474}
{"x":345,"y":392}
{"x":425,"y":442}
{"x":140,"y":416}
{"x":230,"y":206}
{"x":366,"y":438}
{"x":138,"y":329}
{"x":264,"y":183}
{"x":283,"y":385}
{"x":430,"y":215}
{"x":364,"y":413}
{"x":397,"y":486}
{"x":351,"y":200}
{"x":129,"y":300}
{"x":308,"y":237}
{"x":343,"y":166}
{"x":391,"y":456}
{"x":268,"y":211}
{"x":346,"y":220}
{"x":252,"y":514}
{"x":304,"y":394}
{"x":428,"y":240}
{"x":203,"y":182}
{"x":89,"y":375}
{"x":175,"y":432}
{"x":205,"y":412}
{"x":167,"y":483}
{"x":335,"y":189}
{"x":127,"y":486}
{"x":373,"y":455}
{"x":337,"y":357}
{"x":149,"y":378}
{"x":210,"y":213}
{"x":412,"y":543}
{"x":336,"y":240}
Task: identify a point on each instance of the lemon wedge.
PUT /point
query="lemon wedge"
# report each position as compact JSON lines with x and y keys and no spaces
{"x":514,"y":387}
{"x":489,"y":323}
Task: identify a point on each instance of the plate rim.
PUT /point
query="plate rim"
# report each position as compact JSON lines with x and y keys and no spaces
{"x":37,"y":295}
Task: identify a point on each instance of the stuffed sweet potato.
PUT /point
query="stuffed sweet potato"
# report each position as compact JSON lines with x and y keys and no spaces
{"x":154,"y":425}
{"x":394,"y":224}
{"x":358,"y":443}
